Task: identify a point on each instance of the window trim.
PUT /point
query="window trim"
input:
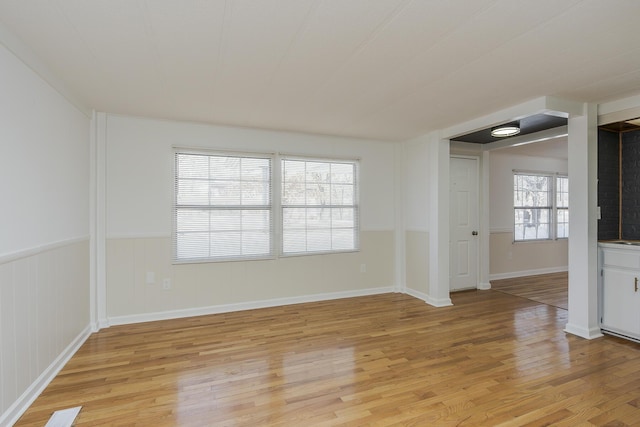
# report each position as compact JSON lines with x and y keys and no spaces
{"x":553,"y":207}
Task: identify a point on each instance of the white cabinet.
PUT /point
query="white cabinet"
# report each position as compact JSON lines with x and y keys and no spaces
{"x":620,"y":290}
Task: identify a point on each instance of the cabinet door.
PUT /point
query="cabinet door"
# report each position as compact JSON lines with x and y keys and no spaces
{"x":621,"y":301}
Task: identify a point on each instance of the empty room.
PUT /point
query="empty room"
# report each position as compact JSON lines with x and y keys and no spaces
{"x":317,"y":212}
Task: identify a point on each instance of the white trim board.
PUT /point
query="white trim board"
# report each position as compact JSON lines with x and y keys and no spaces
{"x":251,"y":305}
{"x":523,"y":273}
{"x":25,"y":253}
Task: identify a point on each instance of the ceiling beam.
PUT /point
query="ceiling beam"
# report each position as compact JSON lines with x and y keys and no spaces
{"x":542,"y":105}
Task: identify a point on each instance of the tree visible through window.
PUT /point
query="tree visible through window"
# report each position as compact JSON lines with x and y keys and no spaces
{"x":541,"y":206}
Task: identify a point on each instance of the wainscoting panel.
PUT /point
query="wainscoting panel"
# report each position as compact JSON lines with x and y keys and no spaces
{"x":44,"y":316}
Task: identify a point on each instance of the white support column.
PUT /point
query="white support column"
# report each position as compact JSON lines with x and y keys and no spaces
{"x":583,"y":240}
{"x":485,"y":210}
{"x":438,"y":289}
{"x":98,"y":289}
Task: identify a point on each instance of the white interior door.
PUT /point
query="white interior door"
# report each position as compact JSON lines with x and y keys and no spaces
{"x":464,"y":223}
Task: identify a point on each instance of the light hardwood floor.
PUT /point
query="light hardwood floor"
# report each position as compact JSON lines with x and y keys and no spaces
{"x":385,"y":360}
{"x":549,"y":289}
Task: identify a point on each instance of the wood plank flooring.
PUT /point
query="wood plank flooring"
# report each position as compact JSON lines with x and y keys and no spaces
{"x":549,"y":289}
{"x":384,"y":360}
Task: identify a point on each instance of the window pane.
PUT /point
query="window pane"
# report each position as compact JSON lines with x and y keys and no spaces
{"x":255,"y":193}
{"x":343,"y":218}
{"x":256,"y":170}
{"x":563,"y":223}
{"x":531,"y":224}
{"x":219,"y":185}
{"x":294,"y":218}
{"x":532,"y":190}
{"x":342,"y":194}
{"x":192,"y":220}
{"x":256,"y":220}
{"x":226,"y":244}
{"x":318,"y":240}
{"x":225,"y":193}
{"x":226,"y":220}
{"x":562,"y":192}
{"x":293,"y":171}
{"x":293,"y":193}
{"x":192,"y":245}
{"x":294,"y":241}
{"x":342,"y":173}
{"x":191,"y":166}
{"x":318,"y":172}
{"x":319,"y":218}
{"x":319,"y":206}
{"x":318,"y":194}
{"x":224,"y":168}
{"x":343,"y":239}
{"x":256,"y":242}
{"x":192,"y":192}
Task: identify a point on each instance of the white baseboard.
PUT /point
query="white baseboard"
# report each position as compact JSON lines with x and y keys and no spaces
{"x":15,"y":411}
{"x":583,"y":332}
{"x":512,"y":274}
{"x":226,"y":308}
{"x":442,"y":302}
{"x":484,"y":286}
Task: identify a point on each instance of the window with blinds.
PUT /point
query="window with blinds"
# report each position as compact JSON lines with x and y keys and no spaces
{"x":223,"y":207}
{"x":319,"y":203}
{"x":541,"y":206}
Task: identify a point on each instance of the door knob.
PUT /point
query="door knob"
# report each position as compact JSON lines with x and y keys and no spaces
{"x":474,"y":233}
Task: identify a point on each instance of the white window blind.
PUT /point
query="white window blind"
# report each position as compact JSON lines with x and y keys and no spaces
{"x":223,"y":207}
{"x":319,"y":202}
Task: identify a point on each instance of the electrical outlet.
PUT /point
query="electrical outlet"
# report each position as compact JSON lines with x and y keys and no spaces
{"x":150,"y":278}
{"x":166,"y":283}
{"x":363,"y":268}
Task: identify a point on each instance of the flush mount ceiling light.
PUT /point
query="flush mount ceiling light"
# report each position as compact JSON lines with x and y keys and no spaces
{"x":507,"y":129}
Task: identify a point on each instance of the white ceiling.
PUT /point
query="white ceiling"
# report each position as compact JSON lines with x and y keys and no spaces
{"x":383,"y":69}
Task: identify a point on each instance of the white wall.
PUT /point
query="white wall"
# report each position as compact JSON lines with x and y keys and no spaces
{"x":44,"y":243}
{"x":139,"y":194}
{"x":509,"y":259}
